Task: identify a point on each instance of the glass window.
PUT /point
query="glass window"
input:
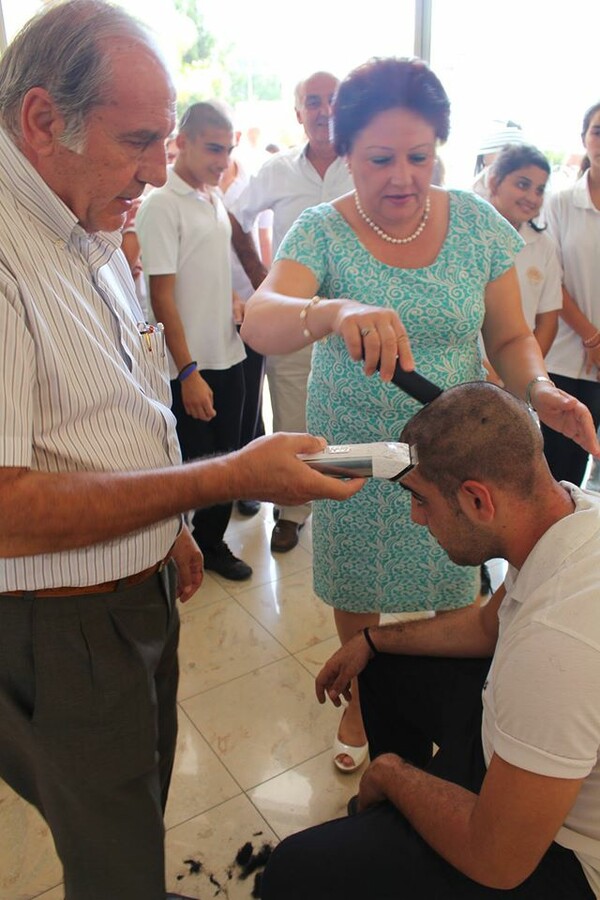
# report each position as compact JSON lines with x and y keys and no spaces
{"x":252,"y":54}
{"x":16,"y":12}
{"x":529,"y":61}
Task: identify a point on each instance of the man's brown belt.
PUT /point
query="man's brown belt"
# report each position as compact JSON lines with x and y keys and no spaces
{"x":106,"y":587}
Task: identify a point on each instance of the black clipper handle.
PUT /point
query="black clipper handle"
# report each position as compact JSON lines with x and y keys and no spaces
{"x":415,"y":385}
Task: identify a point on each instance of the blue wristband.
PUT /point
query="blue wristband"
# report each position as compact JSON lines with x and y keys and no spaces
{"x":187,"y":371}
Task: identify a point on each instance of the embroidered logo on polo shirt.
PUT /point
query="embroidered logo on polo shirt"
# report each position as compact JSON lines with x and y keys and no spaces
{"x":534,"y":275}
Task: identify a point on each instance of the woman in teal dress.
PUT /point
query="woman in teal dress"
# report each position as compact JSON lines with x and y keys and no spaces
{"x":397,"y":269}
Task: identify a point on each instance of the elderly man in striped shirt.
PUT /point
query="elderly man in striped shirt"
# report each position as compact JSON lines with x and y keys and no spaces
{"x":92,"y":489}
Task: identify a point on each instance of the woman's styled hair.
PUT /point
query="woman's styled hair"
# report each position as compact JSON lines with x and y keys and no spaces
{"x":587,"y":119}
{"x":383,"y":84}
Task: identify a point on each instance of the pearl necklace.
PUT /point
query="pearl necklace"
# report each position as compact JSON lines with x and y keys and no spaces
{"x":388,"y":237}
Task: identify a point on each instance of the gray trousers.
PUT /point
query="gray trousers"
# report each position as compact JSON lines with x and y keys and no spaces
{"x":88,"y":724}
{"x":288,"y":377}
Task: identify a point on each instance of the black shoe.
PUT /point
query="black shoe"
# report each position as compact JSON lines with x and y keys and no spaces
{"x":221,"y":560}
{"x":248,"y":507}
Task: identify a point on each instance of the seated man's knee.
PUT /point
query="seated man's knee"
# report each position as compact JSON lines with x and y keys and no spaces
{"x":280,"y":874}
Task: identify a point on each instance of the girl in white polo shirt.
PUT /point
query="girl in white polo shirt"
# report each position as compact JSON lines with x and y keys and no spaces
{"x":573,"y":218}
{"x":517,"y":182}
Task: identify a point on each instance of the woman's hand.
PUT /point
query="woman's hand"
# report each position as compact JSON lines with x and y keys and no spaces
{"x":592,"y":360}
{"x":565,"y":414}
{"x":375,"y":334}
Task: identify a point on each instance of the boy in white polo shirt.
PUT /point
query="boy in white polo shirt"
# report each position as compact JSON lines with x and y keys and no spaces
{"x":185,"y":236}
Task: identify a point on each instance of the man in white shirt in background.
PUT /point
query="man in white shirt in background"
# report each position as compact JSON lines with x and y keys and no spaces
{"x":288,"y":184}
{"x":185,"y":236}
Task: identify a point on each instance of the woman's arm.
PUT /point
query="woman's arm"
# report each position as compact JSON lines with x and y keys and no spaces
{"x":575,"y":319}
{"x":510,"y":345}
{"x":546,"y":326}
{"x":516,"y":356}
{"x":280,"y":318}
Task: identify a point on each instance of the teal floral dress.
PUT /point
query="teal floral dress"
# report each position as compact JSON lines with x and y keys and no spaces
{"x":368,"y":555}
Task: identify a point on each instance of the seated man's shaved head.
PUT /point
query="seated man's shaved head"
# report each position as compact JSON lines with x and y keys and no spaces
{"x":481,"y":432}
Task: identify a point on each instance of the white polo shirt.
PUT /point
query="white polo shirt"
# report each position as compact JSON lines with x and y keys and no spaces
{"x":288,"y":184}
{"x":539,"y":274}
{"x":183,"y":232}
{"x":574,"y":224}
{"x":541,"y":701}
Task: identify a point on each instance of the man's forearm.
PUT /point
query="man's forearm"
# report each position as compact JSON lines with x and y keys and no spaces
{"x":438,"y":810}
{"x":496,"y":837}
{"x":246,"y":253}
{"x":468,"y":632}
{"x":48,"y":512}
{"x":165,"y":311}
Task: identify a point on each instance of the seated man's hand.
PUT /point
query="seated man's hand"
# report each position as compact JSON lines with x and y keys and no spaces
{"x":372,"y":784}
{"x":334,"y":678}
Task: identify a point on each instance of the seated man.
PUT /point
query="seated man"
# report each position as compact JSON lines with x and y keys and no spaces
{"x":510,"y":803}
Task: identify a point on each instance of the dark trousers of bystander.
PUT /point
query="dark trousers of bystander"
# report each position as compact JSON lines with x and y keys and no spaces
{"x":567,"y":460}
{"x":408,"y":703}
{"x":88,"y":725}
{"x":254,"y":378}
{"x":220,"y":435}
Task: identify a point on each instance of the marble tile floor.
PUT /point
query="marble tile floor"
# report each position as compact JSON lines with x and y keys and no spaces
{"x":254,"y":758}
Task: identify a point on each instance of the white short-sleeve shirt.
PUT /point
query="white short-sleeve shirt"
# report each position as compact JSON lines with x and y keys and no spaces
{"x":187,"y":233}
{"x":539,"y":274}
{"x":288,"y":184}
{"x":574,"y":224}
{"x":541,"y":701}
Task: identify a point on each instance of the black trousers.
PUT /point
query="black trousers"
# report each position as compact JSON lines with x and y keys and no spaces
{"x":254,"y":377}
{"x":407,"y":703}
{"x":220,"y":435}
{"x":88,"y":725}
{"x":567,"y":460}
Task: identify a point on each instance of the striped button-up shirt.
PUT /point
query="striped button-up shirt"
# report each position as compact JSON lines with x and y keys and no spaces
{"x":82,"y":387}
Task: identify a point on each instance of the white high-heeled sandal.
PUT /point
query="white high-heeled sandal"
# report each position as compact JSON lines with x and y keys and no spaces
{"x":356,"y":754}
